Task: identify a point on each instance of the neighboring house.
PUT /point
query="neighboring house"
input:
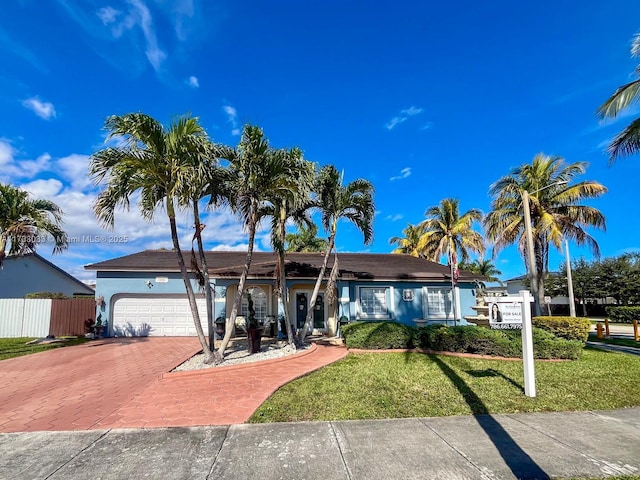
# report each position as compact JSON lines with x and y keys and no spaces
{"x":144,"y":293}
{"x":32,"y":273}
{"x":557,"y":305}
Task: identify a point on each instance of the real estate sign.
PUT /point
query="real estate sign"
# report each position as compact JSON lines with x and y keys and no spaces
{"x":515,"y":312}
{"x":504,"y":313}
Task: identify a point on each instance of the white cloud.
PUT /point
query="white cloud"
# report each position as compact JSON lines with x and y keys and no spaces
{"x":182,"y":9}
{"x":403,"y":117}
{"x":394,"y":218}
{"x":75,"y":169}
{"x":404,"y":173}
{"x":108,"y":15}
{"x":43,"y":188}
{"x":232,"y":118}
{"x":155,"y":55}
{"x":42,"y":109}
{"x":140,"y":17}
{"x":193,"y":82}
{"x":242,"y":247}
{"x":13,"y":168}
{"x":7,"y":152}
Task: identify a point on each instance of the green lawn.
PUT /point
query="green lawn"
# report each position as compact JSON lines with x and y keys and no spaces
{"x":394,"y":385}
{"x":16,"y":347}
{"x":625,"y":342}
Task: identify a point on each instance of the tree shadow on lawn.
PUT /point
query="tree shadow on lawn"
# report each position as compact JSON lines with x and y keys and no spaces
{"x":490,"y":372}
{"x":520,"y":463}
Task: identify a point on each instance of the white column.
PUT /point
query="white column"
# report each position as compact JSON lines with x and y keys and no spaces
{"x":527,"y":346}
{"x":457,"y":312}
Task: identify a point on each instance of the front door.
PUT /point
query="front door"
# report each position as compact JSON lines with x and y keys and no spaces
{"x":318,"y":313}
{"x":301,"y":309}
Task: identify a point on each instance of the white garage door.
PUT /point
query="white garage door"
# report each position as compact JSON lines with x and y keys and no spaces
{"x":156,"y":316}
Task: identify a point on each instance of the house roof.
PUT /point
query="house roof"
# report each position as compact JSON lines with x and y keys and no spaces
{"x":83,"y":288}
{"x":356,"y":266}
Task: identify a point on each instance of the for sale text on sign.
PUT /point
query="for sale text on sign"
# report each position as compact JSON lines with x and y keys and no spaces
{"x":505,"y":315}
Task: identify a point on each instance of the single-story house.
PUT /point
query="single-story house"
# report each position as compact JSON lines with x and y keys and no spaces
{"x":144,"y":294}
{"x":31,"y":273}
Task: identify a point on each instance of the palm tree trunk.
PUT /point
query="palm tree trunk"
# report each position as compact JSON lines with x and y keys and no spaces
{"x":219,"y":355}
{"x":3,"y":246}
{"x":316,"y":290}
{"x":205,"y":274}
{"x":282,"y":287}
{"x":540,"y":300}
{"x":208,"y":356}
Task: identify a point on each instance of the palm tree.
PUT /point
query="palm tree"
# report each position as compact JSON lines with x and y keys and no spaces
{"x":158,"y":163}
{"x":626,"y":142}
{"x":209,"y":181}
{"x":305,"y":239}
{"x":353,"y":202}
{"x":555,"y":210}
{"x":410,"y":243}
{"x":486,"y":268}
{"x":258,"y":174}
{"x":282,"y":206}
{"x":25,"y":222}
{"x":447,"y":232}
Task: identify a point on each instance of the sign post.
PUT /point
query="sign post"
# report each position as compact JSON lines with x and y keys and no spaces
{"x":515,"y":313}
{"x":527,"y":345}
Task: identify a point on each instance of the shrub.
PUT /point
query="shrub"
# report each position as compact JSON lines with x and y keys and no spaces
{"x":502,"y":343}
{"x":623,"y":314}
{"x":378,"y":335}
{"x":569,"y":328}
{"x":482,"y":341}
{"x":546,"y":345}
{"x":46,"y":295}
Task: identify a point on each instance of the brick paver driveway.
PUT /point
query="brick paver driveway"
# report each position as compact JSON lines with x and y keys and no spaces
{"x":124,"y":383}
{"x":74,"y":388}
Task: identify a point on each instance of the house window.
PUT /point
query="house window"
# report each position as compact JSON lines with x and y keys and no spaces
{"x":373,"y":302}
{"x":259,"y":304}
{"x":439,"y":302}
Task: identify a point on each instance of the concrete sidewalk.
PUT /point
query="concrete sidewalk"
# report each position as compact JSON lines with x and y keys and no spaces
{"x":532,"y":446}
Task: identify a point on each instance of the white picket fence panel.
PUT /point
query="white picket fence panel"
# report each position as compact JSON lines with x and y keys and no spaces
{"x":20,"y":317}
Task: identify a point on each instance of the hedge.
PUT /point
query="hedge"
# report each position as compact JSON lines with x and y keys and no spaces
{"x":623,"y":314}
{"x":569,"y":328}
{"x":377,"y":335}
{"x":503,"y":343}
{"x":461,"y":339}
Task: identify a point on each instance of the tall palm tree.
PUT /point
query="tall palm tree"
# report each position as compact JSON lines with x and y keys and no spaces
{"x":158,"y":163}
{"x":258,"y":173}
{"x":626,"y":142}
{"x":305,"y":239}
{"x":448,"y":233}
{"x":556,"y":212}
{"x":486,"y":268}
{"x":352,"y":202}
{"x":208,"y":182}
{"x":24,"y":222}
{"x":410,"y":243}
{"x":285,"y":205}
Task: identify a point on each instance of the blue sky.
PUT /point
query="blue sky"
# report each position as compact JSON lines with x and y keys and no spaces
{"x":426,"y":100}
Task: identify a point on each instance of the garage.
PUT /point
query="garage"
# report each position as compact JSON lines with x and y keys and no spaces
{"x":157,"y":316}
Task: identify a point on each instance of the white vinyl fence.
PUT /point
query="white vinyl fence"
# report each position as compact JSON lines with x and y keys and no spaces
{"x":20,"y":317}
